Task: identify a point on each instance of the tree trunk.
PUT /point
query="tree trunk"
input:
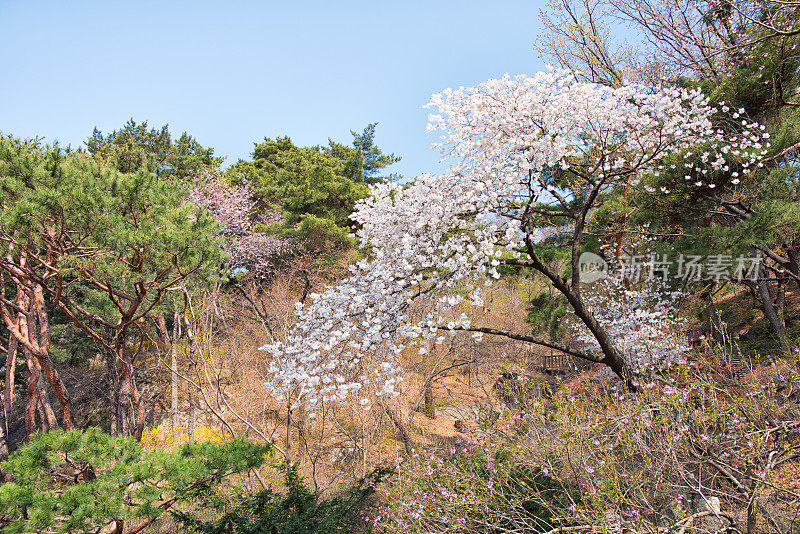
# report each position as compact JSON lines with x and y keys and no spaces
{"x":428,"y":408}
{"x":43,"y":357}
{"x":31,"y":330}
{"x":115,"y":428}
{"x":30,"y":408}
{"x":405,"y":434}
{"x":173,"y":377}
{"x":37,"y":398}
{"x":44,"y":401}
{"x":771,"y":313}
{"x":123,"y":398}
{"x":43,"y":425}
{"x":46,"y":409}
{"x":8,"y":390}
{"x":121,"y":411}
{"x":612,"y":357}
{"x":130,"y":418}
{"x":60,"y":390}
{"x":11,"y":354}
{"x":3,"y":446}
{"x":192,"y":338}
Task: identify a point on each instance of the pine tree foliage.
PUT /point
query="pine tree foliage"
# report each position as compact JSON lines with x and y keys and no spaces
{"x":79,"y":481}
{"x":135,"y":146}
{"x":315,"y":188}
{"x":295,"y":510}
{"x":103,"y":247}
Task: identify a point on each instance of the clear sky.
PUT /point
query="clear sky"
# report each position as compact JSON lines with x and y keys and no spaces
{"x":231,"y":73}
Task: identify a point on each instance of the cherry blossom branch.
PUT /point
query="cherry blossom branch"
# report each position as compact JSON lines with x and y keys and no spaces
{"x":528,"y":339}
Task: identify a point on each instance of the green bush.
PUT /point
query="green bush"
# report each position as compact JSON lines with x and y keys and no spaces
{"x":78,"y":481}
{"x":298,"y":510}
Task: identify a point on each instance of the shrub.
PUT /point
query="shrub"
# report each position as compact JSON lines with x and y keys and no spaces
{"x":80,"y":481}
{"x":296,"y":511}
{"x":162,"y":437}
{"x":472,"y":488}
{"x":693,"y":451}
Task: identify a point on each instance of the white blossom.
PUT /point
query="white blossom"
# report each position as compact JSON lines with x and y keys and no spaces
{"x":504,"y":138}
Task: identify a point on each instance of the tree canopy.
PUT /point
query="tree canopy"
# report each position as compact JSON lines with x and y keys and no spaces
{"x":135,"y":146}
{"x":101,"y":246}
{"x":314,"y":188}
{"x":80,"y":481}
{"x":743,"y":56}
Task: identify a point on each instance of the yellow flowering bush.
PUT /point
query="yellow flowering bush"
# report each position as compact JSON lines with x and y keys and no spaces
{"x":162,"y":437}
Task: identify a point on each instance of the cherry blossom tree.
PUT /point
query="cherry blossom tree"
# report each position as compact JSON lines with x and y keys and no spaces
{"x":745,"y":52}
{"x":527,"y":153}
{"x":238,"y":212}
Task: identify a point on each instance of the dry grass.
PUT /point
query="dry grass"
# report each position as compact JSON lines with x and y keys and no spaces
{"x":346,"y":442}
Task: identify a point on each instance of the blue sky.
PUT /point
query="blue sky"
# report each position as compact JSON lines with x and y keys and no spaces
{"x":231,"y":73}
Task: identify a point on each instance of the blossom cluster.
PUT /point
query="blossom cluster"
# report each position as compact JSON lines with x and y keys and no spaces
{"x":641,"y":320}
{"x":444,"y":490}
{"x":507,"y":137}
{"x":237,"y":210}
{"x":513,"y":126}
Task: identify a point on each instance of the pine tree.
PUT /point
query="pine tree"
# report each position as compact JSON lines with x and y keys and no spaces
{"x":73,"y":481}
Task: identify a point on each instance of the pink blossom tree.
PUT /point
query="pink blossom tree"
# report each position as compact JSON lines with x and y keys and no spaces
{"x":249,"y":249}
